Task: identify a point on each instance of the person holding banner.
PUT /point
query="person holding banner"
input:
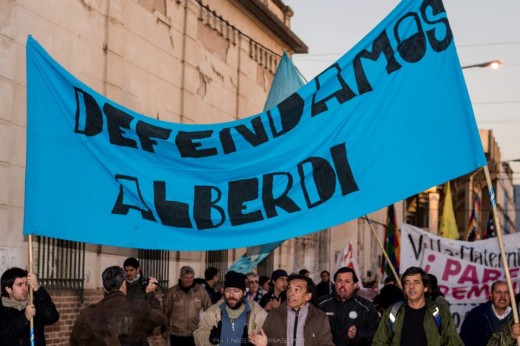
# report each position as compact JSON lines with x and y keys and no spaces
{"x":506,"y":335}
{"x":353,"y":319}
{"x":482,"y":321}
{"x":16,"y":310}
{"x":418,"y":321}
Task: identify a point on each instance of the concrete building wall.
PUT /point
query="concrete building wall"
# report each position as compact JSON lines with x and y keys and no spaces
{"x":187,"y":61}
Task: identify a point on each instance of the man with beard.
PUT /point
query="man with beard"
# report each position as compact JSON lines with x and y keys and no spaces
{"x":229,"y":322}
{"x":483,"y":320}
{"x":353,"y":319}
{"x":418,"y":321}
{"x":182,"y":307}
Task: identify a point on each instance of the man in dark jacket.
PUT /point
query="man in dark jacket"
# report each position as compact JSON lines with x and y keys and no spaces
{"x":483,"y":320}
{"x":134,"y":278}
{"x":353,"y":319}
{"x":277,"y":294}
{"x":117,"y":320}
{"x":16,"y":312}
{"x":297,"y":321}
{"x":211,"y":278}
{"x":325,"y":287}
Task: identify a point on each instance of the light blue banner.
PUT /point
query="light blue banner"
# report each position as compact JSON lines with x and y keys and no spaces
{"x":389,"y":119}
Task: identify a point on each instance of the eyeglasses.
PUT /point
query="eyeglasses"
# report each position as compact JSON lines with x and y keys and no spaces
{"x":253,"y":282}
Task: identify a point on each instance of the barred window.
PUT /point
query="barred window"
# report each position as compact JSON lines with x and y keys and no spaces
{"x":60,"y":264}
{"x":219,"y":260}
{"x":155,"y":263}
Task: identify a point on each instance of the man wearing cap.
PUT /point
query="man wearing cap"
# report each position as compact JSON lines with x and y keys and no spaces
{"x":182,"y":307}
{"x":230,"y":321}
{"x":277,"y":295}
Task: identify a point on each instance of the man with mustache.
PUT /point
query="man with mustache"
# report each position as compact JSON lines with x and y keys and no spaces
{"x":483,"y":320}
{"x":353,"y":319}
{"x":228,"y":322}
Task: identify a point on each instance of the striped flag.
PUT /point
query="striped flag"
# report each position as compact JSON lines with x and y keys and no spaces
{"x":392,"y":242}
{"x":472,"y":233}
{"x":490,"y":228}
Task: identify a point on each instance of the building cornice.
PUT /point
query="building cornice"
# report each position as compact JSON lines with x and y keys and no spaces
{"x":273,"y":23}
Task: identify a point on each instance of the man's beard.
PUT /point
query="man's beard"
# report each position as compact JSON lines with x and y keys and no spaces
{"x":237,"y":305}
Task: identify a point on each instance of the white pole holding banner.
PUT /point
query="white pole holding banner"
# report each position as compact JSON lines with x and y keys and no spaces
{"x":498,"y":229}
{"x":30,"y":289}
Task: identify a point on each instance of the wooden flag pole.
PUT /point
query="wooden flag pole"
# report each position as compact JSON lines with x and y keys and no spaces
{"x":390,"y":264}
{"x":501,"y":246}
{"x":30,"y":288}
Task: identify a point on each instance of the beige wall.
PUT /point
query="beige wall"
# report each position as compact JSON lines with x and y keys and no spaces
{"x":175,"y":60}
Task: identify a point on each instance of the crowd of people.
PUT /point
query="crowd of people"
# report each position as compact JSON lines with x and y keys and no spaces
{"x":283,"y":309}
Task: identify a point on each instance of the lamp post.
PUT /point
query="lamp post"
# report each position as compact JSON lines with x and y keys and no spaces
{"x":493,"y":64}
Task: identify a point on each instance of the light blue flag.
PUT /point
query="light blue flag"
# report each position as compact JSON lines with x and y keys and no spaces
{"x":98,"y":172}
{"x":286,"y":81}
{"x":254,"y":255}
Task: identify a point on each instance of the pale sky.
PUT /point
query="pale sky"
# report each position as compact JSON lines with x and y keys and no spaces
{"x":484,"y":30}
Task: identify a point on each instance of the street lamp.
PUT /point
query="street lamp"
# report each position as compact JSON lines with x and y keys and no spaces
{"x":493,"y":64}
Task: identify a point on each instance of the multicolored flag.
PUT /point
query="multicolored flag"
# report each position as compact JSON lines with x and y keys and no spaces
{"x":472,"y":232}
{"x":448,"y":227}
{"x":392,"y":242}
{"x":490,"y":228}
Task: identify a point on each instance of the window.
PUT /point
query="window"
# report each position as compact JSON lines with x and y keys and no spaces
{"x":219,"y":260}
{"x":60,"y":264}
{"x":155,"y":263}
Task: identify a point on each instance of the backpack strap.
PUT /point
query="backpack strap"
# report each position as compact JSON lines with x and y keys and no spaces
{"x":394,"y":310}
{"x":437,"y":317}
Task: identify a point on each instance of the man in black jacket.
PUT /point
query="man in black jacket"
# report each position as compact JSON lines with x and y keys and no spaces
{"x":16,"y":312}
{"x":353,"y":319}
